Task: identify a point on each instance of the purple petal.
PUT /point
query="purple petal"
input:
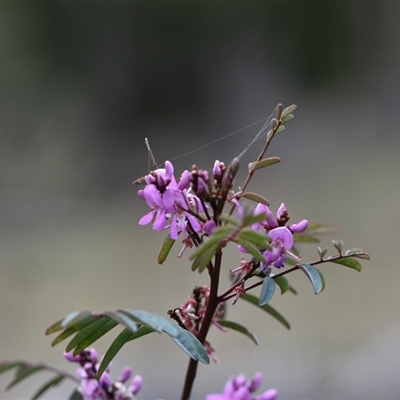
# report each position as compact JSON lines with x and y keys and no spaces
{"x":168,"y":200}
{"x":136,"y":385}
{"x":125,"y":374}
{"x":299,"y":227}
{"x":169,"y":170}
{"x":160,"y":221}
{"x":146,"y":219}
{"x":209,"y":227}
{"x":193,"y":221}
{"x":281,"y":210}
{"x":270,"y":394}
{"x":282,"y":234}
{"x":184,"y":181}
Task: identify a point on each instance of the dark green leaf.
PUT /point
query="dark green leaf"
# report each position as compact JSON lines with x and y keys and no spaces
{"x":314,"y":276}
{"x":305,"y":238}
{"x":48,"y":385}
{"x":266,"y":162}
{"x":125,"y":336}
{"x":75,"y":395}
{"x":154,"y":321}
{"x":349,"y":262}
{"x":251,"y":249}
{"x":123,"y":320}
{"x":256,"y":238}
{"x":239,"y":328}
{"x":71,"y":319}
{"x":23,"y":373}
{"x":267,"y":291}
{"x":204,"y":259}
{"x":255,"y":197}
{"x":165,"y":249}
{"x":288,"y":110}
{"x":283,"y":283}
{"x":267,"y":308}
{"x":72,"y":329}
{"x":95,"y":336}
{"x":251,"y":218}
{"x":87,"y":331}
{"x":7,"y":365}
{"x":191,"y":345}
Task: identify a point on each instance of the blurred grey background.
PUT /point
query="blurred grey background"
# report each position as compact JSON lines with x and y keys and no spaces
{"x":83,"y":83}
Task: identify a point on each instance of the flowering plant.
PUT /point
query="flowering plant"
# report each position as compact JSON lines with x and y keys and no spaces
{"x":204,"y":210}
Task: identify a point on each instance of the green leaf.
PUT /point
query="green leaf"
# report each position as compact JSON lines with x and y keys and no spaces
{"x":280,"y":129}
{"x":293,"y":290}
{"x":267,"y":291}
{"x":71,"y":319}
{"x":358,"y":253}
{"x":7,"y":365}
{"x":256,"y":238}
{"x":95,"y":336}
{"x":123,"y":320}
{"x":23,"y":372}
{"x":125,"y":336}
{"x":191,"y":345}
{"x":72,"y":329}
{"x":314,"y":276}
{"x":204,"y":259}
{"x":266,"y":162}
{"x":251,"y":218}
{"x":267,"y":308}
{"x":283,"y":283}
{"x":48,"y":385}
{"x":251,"y":249}
{"x":288,"y":110}
{"x":85,"y":332}
{"x":305,"y":238}
{"x":165,"y":249}
{"x":154,"y":321}
{"x":255,"y":197}
{"x":349,"y":262}
{"x":287,"y":118}
{"x":75,"y":395}
{"x":239,"y":328}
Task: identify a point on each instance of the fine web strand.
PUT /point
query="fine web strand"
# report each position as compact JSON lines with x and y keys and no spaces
{"x":227,"y":157}
{"x":241,"y":150}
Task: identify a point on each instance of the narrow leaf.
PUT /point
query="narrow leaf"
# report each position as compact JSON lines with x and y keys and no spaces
{"x":283,"y":283}
{"x":72,"y":329}
{"x":256,"y":238}
{"x":95,"y":336}
{"x":48,"y":385}
{"x":204,"y":259}
{"x":266,"y":162}
{"x":165,"y":249}
{"x":191,"y":346}
{"x":288,"y":110}
{"x":7,"y":365}
{"x":267,"y":308}
{"x":125,"y":336}
{"x":154,"y":321}
{"x":287,"y":118}
{"x":267,"y":291}
{"x":23,"y":373}
{"x":123,"y":320}
{"x":239,"y":328}
{"x":255,"y":197}
{"x":85,"y":332}
{"x":305,"y":238}
{"x":359,"y":253}
{"x":314,"y":276}
{"x":251,"y":249}
{"x":349,"y":262}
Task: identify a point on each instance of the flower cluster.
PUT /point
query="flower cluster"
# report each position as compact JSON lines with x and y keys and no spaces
{"x":281,"y":236}
{"x":240,"y":388}
{"x":103,"y":388}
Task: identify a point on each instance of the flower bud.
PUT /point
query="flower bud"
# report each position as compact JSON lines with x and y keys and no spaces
{"x":299,"y":227}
